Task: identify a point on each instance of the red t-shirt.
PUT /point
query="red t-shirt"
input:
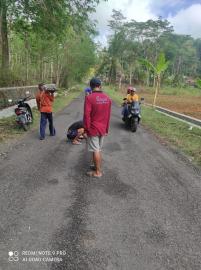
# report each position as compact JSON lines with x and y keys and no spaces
{"x":97,"y":109}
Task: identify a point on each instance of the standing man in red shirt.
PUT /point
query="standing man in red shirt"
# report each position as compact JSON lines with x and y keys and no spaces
{"x":97,"y":109}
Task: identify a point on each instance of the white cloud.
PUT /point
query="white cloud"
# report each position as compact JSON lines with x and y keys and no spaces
{"x":188,"y":21}
{"x":138,"y":10}
{"x":131,"y":9}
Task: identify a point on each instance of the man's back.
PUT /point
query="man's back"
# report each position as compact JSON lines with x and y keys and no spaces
{"x":44,"y":101}
{"x":97,"y":113}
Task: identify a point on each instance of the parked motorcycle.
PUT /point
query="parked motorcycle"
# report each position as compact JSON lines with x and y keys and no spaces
{"x":23,"y":113}
{"x":133,"y":116}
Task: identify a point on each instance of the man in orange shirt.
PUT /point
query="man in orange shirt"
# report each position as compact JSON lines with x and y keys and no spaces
{"x":132,"y":96}
{"x":44,"y":100}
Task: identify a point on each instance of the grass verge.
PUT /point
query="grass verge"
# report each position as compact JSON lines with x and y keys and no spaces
{"x":9,"y":129}
{"x":187,"y":91}
{"x":172,"y":131}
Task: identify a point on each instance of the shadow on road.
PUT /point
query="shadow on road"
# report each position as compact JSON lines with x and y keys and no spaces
{"x":74,"y":237}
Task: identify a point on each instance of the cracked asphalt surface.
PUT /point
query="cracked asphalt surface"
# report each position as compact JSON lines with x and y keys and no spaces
{"x":143,"y":214}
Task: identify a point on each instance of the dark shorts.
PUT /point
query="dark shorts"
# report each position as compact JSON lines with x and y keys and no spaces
{"x":71,"y":134}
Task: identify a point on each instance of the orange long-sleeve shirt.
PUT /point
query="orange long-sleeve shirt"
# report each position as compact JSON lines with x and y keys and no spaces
{"x":44,"y":101}
{"x":130,"y":98}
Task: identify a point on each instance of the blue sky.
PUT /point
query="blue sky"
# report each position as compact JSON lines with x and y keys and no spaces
{"x":184,"y":15}
{"x":170,"y":7}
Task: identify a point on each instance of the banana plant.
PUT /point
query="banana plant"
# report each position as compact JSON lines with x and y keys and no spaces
{"x":198,"y":83}
{"x":161,"y":66}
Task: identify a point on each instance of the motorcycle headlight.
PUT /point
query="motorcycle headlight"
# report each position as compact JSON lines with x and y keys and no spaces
{"x":135,"y":111}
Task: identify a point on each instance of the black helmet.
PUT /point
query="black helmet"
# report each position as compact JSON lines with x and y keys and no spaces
{"x":95,"y":82}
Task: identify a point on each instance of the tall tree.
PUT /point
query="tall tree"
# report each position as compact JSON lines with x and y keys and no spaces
{"x":4,"y":34}
{"x":45,"y":21}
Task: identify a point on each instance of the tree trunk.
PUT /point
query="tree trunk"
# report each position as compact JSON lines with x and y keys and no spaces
{"x":148,"y":74}
{"x":45,"y":72}
{"x":58,"y":72}
{"x":120,"y":80}
{"x":27,"y":56}
{"x":51,"y":72}
{"x":41,"y":68}
{"x":0,"y":33}
{"x":156,"y":90}
{"x":159,"y":83}
{"x":113,"y":72}
{"x":27,"y":66}
{"x":4,"y":37}
{"x":154,"y":84}
{"x":178,"y":65}
{"x":130,"y":76}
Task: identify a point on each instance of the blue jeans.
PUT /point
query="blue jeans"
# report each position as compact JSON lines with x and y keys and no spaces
{"x":124,"y":111}
{"x":43,"y":122}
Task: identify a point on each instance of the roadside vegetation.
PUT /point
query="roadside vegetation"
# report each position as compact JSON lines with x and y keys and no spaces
{"x":151,"y":54}
{"x":49,"y":41}
{"x":186,"y":91}
{"x":9,"y":129}
{"x":169,"y":130}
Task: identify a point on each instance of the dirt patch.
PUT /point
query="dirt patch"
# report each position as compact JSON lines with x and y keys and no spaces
{"x":187,"y":105}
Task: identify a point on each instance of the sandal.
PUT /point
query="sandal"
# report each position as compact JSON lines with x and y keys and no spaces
{"x":76,"y":143}
{"x":92,"y":174}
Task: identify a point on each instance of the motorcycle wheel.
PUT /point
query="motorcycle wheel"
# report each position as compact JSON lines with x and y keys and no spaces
{"x":127,"y":122}
{"x":31,"y":120}
{"x":134,"y":123}
{"x":31,"y":117}
{"x":25,"y":126}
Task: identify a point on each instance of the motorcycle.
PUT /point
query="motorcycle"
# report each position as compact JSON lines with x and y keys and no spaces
{"x":132,"y":117}
{"x":23,"y":113}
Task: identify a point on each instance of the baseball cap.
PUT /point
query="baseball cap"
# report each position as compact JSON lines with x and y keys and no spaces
{"x":95,"y":82}
{"x":87,"y":90}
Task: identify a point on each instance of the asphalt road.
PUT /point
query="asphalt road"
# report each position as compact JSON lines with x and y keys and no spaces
{"x":143,"y":214}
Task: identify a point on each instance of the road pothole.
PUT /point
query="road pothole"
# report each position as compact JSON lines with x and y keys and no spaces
{"x":53,"y":181}
{"x":88,"y":239}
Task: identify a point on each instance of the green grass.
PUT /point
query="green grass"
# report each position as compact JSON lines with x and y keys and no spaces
{"x":173,"y":131}
{"x":64,"y":98}
{"x":114,"y":94}
{"x":176,"y":91}
{"x":9,"y":129}
{"x":187,"y":91}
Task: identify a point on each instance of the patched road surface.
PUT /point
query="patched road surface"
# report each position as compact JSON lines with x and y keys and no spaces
{"x":143,"y":214}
